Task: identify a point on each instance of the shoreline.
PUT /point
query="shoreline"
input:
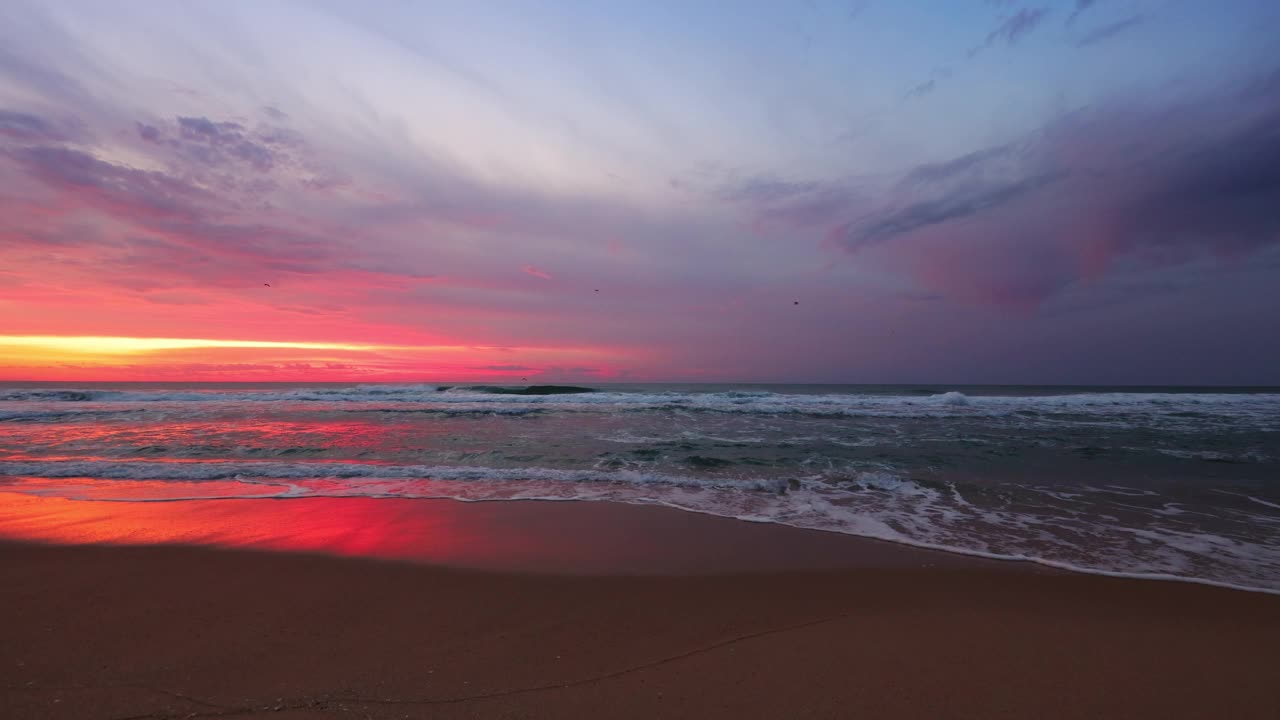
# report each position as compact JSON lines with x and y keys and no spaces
{"x":603,"y":538}
{"x":529,"y":535}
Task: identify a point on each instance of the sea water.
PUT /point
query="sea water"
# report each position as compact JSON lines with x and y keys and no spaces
{"x":1180,"y":483}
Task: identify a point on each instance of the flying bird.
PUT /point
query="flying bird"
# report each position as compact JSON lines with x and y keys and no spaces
{"x":266,"y":284}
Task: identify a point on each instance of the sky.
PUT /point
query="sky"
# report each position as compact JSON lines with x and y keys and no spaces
{"x":862,"y":191}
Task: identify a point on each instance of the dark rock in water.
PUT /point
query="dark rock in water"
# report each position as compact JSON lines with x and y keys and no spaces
{"x":534,"y":390}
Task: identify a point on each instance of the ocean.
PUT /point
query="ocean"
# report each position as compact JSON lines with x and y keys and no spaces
{"x":1167,"y":483}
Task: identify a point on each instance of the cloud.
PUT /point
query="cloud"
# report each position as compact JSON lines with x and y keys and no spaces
{"x":938,"y":193}
{"x":1014,"y":28}
{"x":958,"y":205}
{"x":1017,"y":26}
{"x":1106,"y":32}
{"x":174,"y":227}
{"x":1116,"y":188}
{"x":856,"y":8}
{"x":928,"y":86}
{"x":761,"y":189}
{"x":223,"y":145}
{"x":923,"y":88}
{"x":536,"y":272}
{"x":110,"y":187}
{"x":1081,"y":6}
{"x":980,"y":162}
{"x":28,"y":127}
{"x":791,"y":204}
{"x":506,"y":368}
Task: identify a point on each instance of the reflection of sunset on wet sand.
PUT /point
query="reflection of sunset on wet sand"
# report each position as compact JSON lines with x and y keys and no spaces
{"x":545,"y":537}
{"x":424,"y":531}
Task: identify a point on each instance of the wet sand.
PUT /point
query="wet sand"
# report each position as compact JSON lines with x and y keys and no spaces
{"x":876,"y":631}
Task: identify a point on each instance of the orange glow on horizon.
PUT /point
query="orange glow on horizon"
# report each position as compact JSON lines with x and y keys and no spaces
{"x":90,"y":358}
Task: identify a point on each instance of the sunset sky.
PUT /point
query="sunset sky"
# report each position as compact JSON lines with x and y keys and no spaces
{"x":942,"y":191}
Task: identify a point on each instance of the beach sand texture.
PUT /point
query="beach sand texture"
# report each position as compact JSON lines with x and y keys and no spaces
{"x":171,"y":632}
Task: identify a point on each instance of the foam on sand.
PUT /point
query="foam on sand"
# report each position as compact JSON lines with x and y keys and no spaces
{"x":876,"y":504}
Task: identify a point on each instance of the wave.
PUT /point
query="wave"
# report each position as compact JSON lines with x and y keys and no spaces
{"x":854,"y":419}
{"x":207,"y":471}
{"x":1107,"y":530}
{"x":1182,"y":407}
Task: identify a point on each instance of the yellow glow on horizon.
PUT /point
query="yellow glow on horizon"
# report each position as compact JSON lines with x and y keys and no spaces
{"x":95,"y":345}
{"x":75,"y":357}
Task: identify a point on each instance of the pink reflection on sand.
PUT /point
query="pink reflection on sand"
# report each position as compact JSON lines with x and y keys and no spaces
{"x":558,"y":537}
{"x":366,"y":527}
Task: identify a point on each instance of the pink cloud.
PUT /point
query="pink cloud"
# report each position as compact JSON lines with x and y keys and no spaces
{"x":536,"y":272}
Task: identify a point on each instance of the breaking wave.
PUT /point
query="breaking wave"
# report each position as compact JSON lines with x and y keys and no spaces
{"x":1175,"y":408}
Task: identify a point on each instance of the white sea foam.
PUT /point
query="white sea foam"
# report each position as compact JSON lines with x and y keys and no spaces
{"x":1261,"y":410}
{"x":197,"y":471}
{"x":1151,"y":542}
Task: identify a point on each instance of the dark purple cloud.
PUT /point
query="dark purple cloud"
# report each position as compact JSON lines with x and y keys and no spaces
{"x":972,"y":200}
{"x":1112,"y":187}
{"x":218,"y":144}
{"x":767,"y":189}
{"x":856,"y":8}
{"x":1016,"y":27}
{"x":961,"y":168}
{"x":27,"y":127}
{"x":928,"y":86}
{"x":1013,"y":28}
{"x":110,"y":187}
{"x":1081,"y":6}
{"x":923,"y":88}
{"x":1106,"y":32}
{"x":774,"y":202}
{"x":150,"y":133}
